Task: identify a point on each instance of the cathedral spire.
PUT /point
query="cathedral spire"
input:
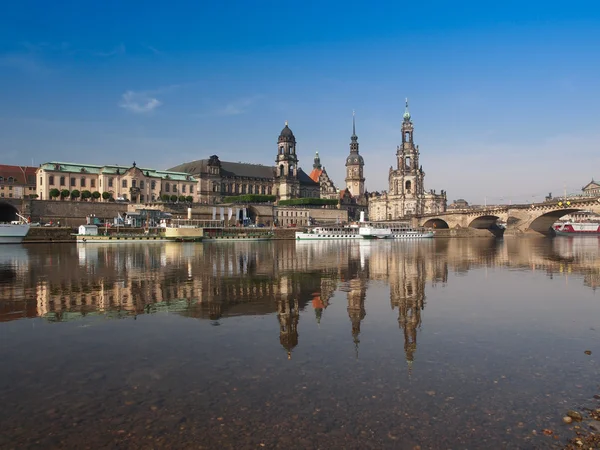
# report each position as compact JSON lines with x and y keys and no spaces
{"x":406,"y":112}
{"x":354,"y":137}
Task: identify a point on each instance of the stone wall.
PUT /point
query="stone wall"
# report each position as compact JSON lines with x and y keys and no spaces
{"x":72,"y":214}
{"x":49,"y":234}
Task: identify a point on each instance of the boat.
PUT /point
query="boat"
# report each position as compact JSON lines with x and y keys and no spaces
{"x":387,"y":230}
{"x":88,"y":234}
{"x":329,"y":233}
{"x":577,"y":229}
{"x":233,"y":234}
{"x":15,"y":231}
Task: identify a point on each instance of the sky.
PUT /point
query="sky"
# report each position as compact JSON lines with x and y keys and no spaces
{"x":503,"y":95}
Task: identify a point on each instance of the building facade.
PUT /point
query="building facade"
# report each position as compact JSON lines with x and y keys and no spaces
{"x":406,"y":196}
{"x":132,"y":183}
{"x":17,"y":181}
{"x":286,"y":180}
{"x":319,"y":175}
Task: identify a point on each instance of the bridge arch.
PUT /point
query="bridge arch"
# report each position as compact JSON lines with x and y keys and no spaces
{"x":543,"y":223}
{"x":484,"y":222}
{"x":436,"y":223}
{"x":8,"y":212}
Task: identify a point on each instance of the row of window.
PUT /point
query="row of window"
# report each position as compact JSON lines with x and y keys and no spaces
{"x":7,"y":180}
{"x":233,"y":188}
{"x":292,"y":213}
{"x":124,"y":184}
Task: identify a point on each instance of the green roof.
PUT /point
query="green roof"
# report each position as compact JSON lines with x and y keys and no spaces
{"x":112,"y":169}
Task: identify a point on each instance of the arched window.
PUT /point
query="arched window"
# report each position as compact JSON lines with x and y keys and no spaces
{"x":281,"y":170}
{"x":407,"y":136}
{"x":11,"y":179}
{"x":281,"y":150}
{"x":408,"y":186}
{"x":82,"y":181}
{"x":407,"y":163}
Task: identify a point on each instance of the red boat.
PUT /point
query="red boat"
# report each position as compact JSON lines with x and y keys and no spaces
{"x":577,"y":228}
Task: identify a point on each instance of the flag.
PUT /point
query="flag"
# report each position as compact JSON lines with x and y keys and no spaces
{"x":214,"y":216}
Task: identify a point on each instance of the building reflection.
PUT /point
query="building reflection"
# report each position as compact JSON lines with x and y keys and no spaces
{"x":216,"y":281}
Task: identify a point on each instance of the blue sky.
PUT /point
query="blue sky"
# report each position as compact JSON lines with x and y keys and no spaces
{"x":504,"y":95}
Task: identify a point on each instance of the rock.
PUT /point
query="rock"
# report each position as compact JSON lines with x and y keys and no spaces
{"x":588,"y":352}
{"x":574,"y":415}
{"x":567,"y":419}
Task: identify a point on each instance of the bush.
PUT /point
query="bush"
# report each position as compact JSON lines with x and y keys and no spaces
{"x":86,"y":194}
{"x":96,"y":195}
{"x":173,"y":198}
{"x":33,"y":196}
{"x":308,"y":201}
{"x":189,"y":199}
{"x":166,"y":198}
{"x":75,"y":194}
{"x":182,"y":198}
{"x":106,"y":195}
{"x":64,"y":193}
{"x":249,"y":198}
{"x":54,"y":193}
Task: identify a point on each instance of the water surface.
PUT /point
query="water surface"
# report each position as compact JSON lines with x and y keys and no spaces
{"x":439,"y":344}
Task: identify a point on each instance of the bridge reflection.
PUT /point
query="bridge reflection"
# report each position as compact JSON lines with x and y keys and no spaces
{"x":288,"y":280}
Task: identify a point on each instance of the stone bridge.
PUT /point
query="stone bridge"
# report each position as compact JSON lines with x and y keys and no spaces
{"x":10,"y":207}
{"x":536,"y":217}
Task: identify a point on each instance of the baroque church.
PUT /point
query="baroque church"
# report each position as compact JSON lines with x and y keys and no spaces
{"x":406,"y":195}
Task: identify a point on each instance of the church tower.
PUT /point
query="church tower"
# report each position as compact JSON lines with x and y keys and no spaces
{"x":410,"y":183}
{"x":287,"y":185}
{"x":355,"y":180}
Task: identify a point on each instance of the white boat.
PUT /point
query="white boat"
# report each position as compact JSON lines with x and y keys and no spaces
{"x":387,"y":230}
{"x":14,"y":232}
{"x":329,"y":233}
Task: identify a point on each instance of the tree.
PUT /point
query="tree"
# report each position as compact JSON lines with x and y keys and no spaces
{"x":182,"y":198}
{"x":173,"y":198}
{"x":96,"y":195}
{"x":64,"y":194}
{"x":86,"y":195}
{"x":106,"y":195}
{"x":75,"y":194}
{"x":34,"y":196}
{"x":189,"y":199}
{"x":54,"y":193}
{"x":166,"y":198}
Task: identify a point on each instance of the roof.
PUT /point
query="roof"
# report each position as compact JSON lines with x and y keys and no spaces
{"x":112,"y":169}
{"x":590,"y":184}
{"x":305,"y":179}
{"x":343,"y":193}
{"x":16,"y":173}
{"x":228,"y":169}
{"x":316,"y":174}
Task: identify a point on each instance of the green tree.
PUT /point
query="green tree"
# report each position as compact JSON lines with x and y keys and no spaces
{"x":85,"y":195}
{"x":173,"y":198}
{"x":64,"y":194}
{"x":34,"y":196}
{"x":181,"y":198}
{"x":96,"y":195}
{"x":106,"y":195}
{"x":54,"y":193}
{"x":166,"y":198}
{"x":75,"y":194}
{"x":189,"y":199}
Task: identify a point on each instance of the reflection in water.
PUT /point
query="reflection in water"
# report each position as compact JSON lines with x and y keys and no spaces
{"x":295,"y":286}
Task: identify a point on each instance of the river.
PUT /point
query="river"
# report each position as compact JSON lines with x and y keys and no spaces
{"x":440,"y":343}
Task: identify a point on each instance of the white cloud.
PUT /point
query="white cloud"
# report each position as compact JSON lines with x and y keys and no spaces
{"x":237,"y":107}
{"x":139,"y":102}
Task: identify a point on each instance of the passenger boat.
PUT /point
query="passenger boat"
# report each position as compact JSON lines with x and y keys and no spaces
{"x":233,"y":234}
{"x":329,"y":233}
{"x":577,"y":229}
{"x":15,"y":231}
{"x":388,"y":230}
{"x":88,"y":234}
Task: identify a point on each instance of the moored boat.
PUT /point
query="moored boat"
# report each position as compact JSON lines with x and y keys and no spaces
{"x":577,"y":228}
{"x":14,"y":232}
{"x":233,"y":234}
{"x":387,"y":230}
{"x":329,"y":233}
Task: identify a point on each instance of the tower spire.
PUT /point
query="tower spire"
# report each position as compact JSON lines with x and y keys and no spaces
{"x":406,"y":112}
{"x":353,"y":124}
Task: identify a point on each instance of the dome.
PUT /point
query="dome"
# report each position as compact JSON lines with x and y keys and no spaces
{"x":355,"y":159}
{"x":406,"y":116}
{"x":286,"y":134}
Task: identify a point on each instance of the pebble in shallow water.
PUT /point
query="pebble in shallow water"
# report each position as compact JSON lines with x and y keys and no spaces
{"x":567,"y":419}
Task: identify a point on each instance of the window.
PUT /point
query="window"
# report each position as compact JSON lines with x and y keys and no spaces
{"x":92,"y":183}
{"x":174,"y":188}
{"x":124,"y":183}
{"x":41,"y":180}
{"x":10,"y":195}
{"x":133,"y":183}
{"x":73,"y":181}
{"x":62,"y":181}
{"x":11,"y":179}
{"x":141,"y":198}
{"x":153,"y":185}
{"x":51,"y":180}
{"x":192,"y":189}
{"x":82,"y":182}
{"x":183,"y":189}
{"x":1,"y":179}
{"x":110,"y":182}
{"x":167,"y":187}
{"x":2,"y":194}
{"x":141,"y":184}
